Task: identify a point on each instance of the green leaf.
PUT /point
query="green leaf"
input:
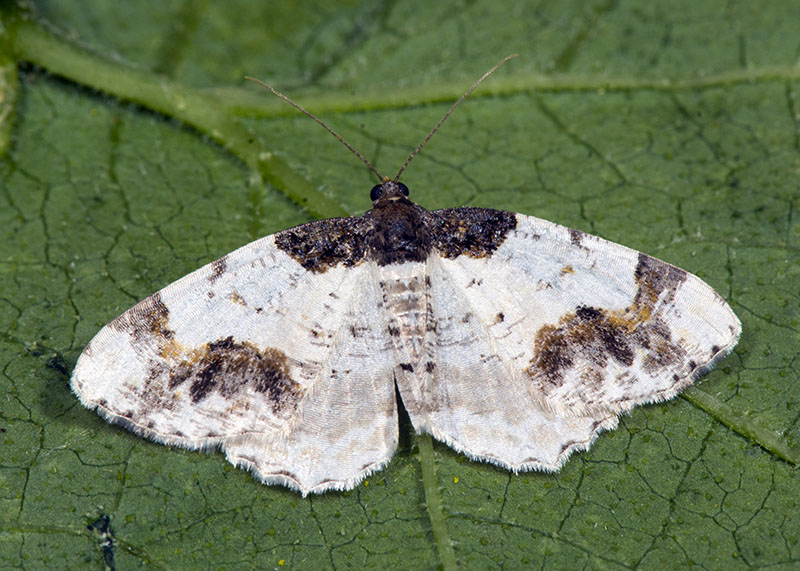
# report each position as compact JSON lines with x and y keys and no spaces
{"x":133,"y":151}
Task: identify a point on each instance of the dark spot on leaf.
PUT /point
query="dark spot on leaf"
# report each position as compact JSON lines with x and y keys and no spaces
{"x":101,"y":527}
{"x":57,"y":364}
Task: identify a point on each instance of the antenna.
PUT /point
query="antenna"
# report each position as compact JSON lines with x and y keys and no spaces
{"x":359,"y":155}
{"x":449,"y":111}
{"x":318,"y":120}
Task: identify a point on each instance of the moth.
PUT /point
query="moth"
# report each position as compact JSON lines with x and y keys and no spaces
{"x":512,"y":339}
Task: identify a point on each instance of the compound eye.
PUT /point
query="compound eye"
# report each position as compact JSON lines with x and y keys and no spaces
{"x":376,"y":192}
{"x":403,"y":188}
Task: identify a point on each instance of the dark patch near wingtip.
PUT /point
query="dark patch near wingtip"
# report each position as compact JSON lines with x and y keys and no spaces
{"x":218,"y":267}
{"x":654,"y":278}
{"x":430,"y":366}
{"x":575,"y":236}
{"x":408,"y":367}
{"x":590,"y":337}
{"x":146,"y":320}
{"x":229,"y":367}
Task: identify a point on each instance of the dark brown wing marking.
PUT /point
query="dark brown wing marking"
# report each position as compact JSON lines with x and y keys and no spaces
{"x":474,"y":232}
{"x":320,"y":245}
{"x":396,"y":231}
{"x":229,"y":367}
{"x":145,"y":320}
{"x":594,"y":336}
{"x":225,"y":365}
{"x":218,"y":267}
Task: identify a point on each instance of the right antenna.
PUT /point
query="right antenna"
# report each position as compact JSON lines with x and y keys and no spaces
{"x":449,"y":111}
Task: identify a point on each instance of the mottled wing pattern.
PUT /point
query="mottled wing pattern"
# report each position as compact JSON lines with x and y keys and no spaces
{"x":510,"y":338}
{"x":253,"y":353}
{"x":539,"y":346}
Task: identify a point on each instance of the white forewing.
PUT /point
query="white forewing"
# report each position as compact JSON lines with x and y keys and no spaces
{"x":271,"y":362}
{"x":540,"y":346}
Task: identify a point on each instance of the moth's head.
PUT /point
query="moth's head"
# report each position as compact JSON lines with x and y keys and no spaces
{"x":388,"y":190}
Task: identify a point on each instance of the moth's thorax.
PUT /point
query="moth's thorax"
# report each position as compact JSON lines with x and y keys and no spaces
{"x":399,"y":231}
{"x":396,"y":231}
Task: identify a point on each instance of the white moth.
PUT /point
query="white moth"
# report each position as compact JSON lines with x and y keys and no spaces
{"x":512,"y":339}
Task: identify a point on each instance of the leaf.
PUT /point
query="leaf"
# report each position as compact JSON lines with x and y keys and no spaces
{"x":669,"y":127}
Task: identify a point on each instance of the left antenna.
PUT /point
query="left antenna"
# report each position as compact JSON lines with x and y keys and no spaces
{"x":318,"y":120}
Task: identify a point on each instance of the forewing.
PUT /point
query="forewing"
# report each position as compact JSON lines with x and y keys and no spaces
{"x":541,"y":343}
{"x":277,"y":364}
